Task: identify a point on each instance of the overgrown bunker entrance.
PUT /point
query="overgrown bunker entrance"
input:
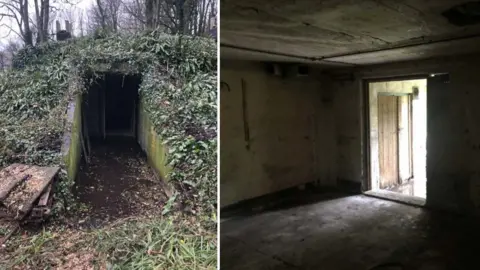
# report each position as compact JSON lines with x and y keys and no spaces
{"x":111,"y":106}
{"x":114,"y":177}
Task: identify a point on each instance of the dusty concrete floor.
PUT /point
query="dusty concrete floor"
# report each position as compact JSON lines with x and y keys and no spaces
{"x":331,"y":231}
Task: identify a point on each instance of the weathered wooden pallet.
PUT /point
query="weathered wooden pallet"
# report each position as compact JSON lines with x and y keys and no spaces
{"x":26,"y":186}
{"x":42,"y":208}
{"x":10,"y":177}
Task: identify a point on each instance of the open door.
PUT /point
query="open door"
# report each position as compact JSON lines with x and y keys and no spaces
{"x":388,"y":140}
{"x":397,"y":128}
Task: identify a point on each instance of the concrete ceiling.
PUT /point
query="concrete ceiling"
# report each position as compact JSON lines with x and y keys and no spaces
{"x":336,"y":32}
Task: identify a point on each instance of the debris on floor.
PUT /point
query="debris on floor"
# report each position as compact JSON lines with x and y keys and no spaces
{"x":25,"y":192}
{"x":117,"y":183}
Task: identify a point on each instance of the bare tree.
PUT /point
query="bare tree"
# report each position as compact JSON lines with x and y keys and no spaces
{"x":175,"y":16}
{"x":134,"y":15}
{"x":17,"y":10}
{"x":190,"y":17}
{"x":42,"y":14}
{"x":105,"y":14}
{"x":100,"y":14}
{"x":16,"y":17}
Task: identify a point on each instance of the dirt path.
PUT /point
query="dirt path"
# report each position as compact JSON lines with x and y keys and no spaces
{"x":117,"y":183}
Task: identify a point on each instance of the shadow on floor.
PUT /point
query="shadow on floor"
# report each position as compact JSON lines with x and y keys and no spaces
{"x":349,"y":232}
{"x":282,"y":200}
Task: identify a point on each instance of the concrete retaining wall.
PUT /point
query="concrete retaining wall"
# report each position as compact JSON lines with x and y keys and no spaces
{"x":71,"y":148}
{"x":151,"y":143}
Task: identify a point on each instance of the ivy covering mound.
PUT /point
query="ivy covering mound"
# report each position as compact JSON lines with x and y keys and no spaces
{"x":178,"y":90}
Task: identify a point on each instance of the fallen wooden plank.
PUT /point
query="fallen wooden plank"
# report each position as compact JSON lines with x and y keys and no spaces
{"x":21,"y":199}
{"x":15,"y":167}
{"x":10,"y":177}
{"x":45,"y":196}
{"x":49,"y":175}
{"x":42,"y":209}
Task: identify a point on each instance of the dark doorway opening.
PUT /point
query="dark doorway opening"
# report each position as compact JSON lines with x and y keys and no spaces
{"x":114,"y":179}
{"x":120,"y":104}
{"x":110,"y":106}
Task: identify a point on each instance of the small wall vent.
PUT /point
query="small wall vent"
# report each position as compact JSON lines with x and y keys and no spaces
{"x":276,"y":69}
{"x":302,"y":70}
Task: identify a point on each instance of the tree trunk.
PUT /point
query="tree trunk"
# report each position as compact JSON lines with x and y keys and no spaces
{"x":102,"y":14}
{"x":203,"y":18}
{"x":149,"y":13}
{"x":181,"y":16}
{"x":38,"y":17}
{"x":46,"y":19}
{"x":27,"y":35}
{"x":42,"y":13}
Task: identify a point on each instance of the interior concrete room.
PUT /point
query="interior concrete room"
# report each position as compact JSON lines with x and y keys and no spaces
{"x":350,"y":134}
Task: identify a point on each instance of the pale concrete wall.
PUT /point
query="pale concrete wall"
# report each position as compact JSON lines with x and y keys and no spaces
{"x":347,"y":112}
{"x":152,"y":143}
{"x":291,"y":130}
{"x":71,"y":146}
{"x":453,"y":147}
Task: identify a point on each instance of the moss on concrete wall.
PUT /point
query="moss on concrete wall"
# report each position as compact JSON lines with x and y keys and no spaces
{"x":152,"y":144}
{"x":72,"y":151}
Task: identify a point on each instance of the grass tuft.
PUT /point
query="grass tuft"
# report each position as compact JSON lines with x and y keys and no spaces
{"x":158,"y":243}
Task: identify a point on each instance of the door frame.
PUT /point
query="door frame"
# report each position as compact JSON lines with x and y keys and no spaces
{"x":365,"y":114}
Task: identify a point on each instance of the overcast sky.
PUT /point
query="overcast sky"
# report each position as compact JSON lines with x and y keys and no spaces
{"x":79,"y":6}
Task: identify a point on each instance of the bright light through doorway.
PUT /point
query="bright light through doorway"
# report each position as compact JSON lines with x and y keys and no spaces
{"x":398,"y":136}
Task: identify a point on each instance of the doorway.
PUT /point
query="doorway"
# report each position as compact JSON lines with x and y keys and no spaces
{"x":111,"y":106}
{"x":397,"y":117}
{"x":114,"y":178}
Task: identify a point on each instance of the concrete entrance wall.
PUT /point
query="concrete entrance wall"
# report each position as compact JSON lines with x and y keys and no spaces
{"x":71,"y":147}
{"x":151,"y":143}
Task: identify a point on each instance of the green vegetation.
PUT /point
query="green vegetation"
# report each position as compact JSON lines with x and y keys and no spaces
{"x":130,"y":244}
{"x":178,"y":91}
